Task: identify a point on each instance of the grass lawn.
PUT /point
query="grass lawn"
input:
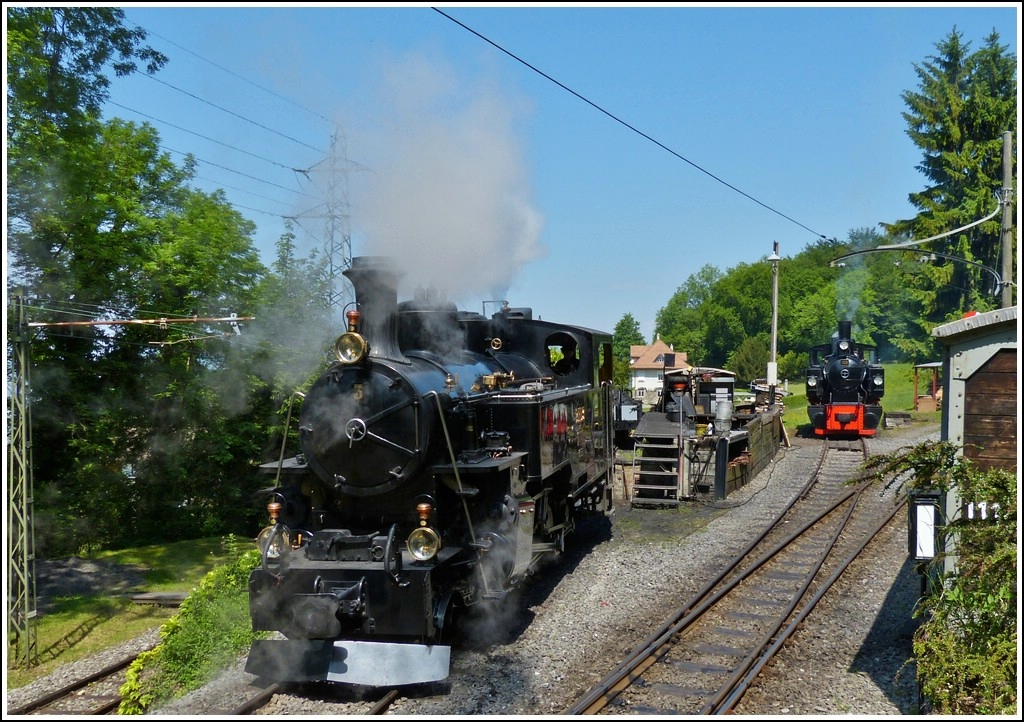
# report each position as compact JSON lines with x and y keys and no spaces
{"x":79,"y":625}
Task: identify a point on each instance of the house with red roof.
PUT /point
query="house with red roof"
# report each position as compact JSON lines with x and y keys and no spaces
{"x":647,"y":367}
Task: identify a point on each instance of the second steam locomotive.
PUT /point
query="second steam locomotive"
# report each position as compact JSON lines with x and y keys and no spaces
{"x":845,"y":385}
{"x":443,"y":455}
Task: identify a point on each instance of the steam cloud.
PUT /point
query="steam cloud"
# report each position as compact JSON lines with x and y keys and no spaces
{"x":448,"y":196}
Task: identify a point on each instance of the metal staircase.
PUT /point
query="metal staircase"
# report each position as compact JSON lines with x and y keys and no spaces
{"x":658,"y":475}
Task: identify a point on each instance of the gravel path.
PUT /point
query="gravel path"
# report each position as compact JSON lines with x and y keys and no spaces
{"x":577,"y":618}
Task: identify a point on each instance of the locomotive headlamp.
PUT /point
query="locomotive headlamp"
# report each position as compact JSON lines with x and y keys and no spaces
{"x":274,"y":541}
{"x":812,"y":381}
{"x":844,"y":345}
{"x":351,"y":348}
{"x":423,"y":543}
{"x":877,"y":380}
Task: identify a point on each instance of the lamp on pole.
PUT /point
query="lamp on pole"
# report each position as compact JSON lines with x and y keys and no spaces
{"x":773,"y":366}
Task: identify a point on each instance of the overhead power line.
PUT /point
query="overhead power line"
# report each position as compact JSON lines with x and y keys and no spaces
{"x":206,"y":137}
{"x":231,"y":72}
{"x":622,"y":122}
{"x":237,"y":115}
{"x":231,"y":170}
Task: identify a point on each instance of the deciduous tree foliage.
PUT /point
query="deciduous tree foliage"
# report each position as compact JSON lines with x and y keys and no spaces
{"x":750,"y":360}
{"x":627,"y":333}
{"x":681,"y":322}
{"x":141,"y":432}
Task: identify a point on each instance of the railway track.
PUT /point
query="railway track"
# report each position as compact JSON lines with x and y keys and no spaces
{"x":825,"y":495}
{"x":706,"y":654}
{"x":94,"y":695}
{"x":378,"y":705}
{"x":98,"y":694}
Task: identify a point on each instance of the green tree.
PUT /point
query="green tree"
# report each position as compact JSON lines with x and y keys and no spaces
{"x":627,"y":333}
{"x":964,"y":104}
{"x":750,"y":359}
{"x":56,"y":58}
{"x":145,"y":426}
{"x":295,"y":333}
{"x":681,"y":322}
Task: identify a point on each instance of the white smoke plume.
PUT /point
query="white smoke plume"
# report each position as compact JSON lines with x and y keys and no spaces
{"x":448,"y":193}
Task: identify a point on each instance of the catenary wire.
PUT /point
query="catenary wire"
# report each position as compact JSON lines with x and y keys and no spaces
{"x":627,"y":125}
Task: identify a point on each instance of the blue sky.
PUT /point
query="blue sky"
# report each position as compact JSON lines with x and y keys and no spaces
{"x":586,"y":167}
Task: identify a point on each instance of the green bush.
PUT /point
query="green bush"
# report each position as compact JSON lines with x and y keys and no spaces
{"x":210,"y":631}
{"x":966,"y":649}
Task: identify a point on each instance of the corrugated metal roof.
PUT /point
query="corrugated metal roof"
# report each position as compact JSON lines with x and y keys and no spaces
{"x":977,"y":321}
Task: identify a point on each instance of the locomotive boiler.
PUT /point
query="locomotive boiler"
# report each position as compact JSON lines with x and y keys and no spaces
{"x":845,"y":385}
{"x":443,"y":455}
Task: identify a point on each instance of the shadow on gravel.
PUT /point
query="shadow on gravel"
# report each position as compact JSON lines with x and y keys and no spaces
{"x":502,"y":622}
{"x":887,"y":655}
{"x":335,"y":693}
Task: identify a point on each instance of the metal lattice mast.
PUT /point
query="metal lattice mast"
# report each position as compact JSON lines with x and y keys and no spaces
{"x":21,"y":581}
{"x":337,"y":238}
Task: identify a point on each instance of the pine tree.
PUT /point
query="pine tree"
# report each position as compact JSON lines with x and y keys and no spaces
{"x":964,"y":104}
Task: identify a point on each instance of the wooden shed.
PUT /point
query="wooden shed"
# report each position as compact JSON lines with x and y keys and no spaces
{"x":980,"y":368}
{"x":980,"y":415}
{"x":928,"y":397}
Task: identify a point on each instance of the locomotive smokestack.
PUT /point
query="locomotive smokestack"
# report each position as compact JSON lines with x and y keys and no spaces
{"x":845,"y":328}
{"x":375,"y":281}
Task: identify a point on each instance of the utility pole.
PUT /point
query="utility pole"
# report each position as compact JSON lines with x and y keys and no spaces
{"x":773,"y":366}
{"x":1007,"y":228}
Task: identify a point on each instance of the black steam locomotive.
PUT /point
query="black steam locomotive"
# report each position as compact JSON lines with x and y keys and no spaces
{"x":443,"y":456}
{"x":845,"y":385}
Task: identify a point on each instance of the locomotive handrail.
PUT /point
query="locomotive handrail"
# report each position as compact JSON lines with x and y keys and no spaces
{"x":284,"y":437}
{"x":455,"y":469}
{"x":389,"y":548}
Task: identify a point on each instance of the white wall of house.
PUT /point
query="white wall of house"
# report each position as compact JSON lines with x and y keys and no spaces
{"x":647,"y":384}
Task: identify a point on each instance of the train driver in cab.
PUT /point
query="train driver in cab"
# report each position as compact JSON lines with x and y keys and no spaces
{"x":569,"y":361}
